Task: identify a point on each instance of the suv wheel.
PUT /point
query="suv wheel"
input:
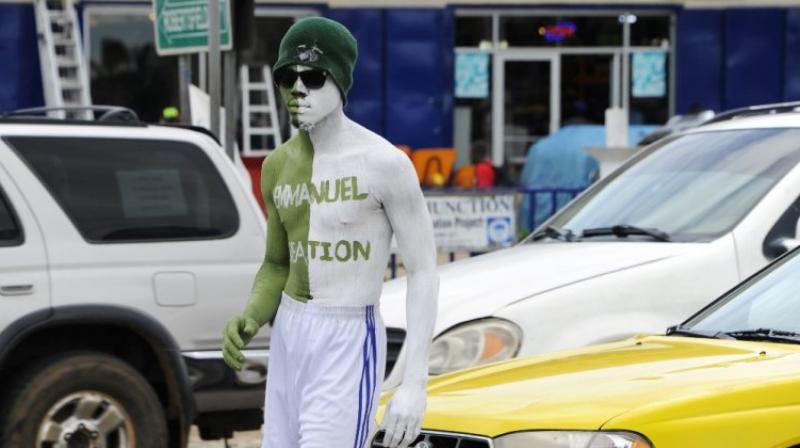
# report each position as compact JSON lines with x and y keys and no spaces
{"x":83,"y":400}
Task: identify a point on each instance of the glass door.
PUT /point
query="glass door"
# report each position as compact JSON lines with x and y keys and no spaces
{"x":587,"y":82}
{"x":526,"y":103}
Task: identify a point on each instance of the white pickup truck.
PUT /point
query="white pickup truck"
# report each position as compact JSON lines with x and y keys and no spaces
{"x":124,"y":249}
{"x":681,"y":222}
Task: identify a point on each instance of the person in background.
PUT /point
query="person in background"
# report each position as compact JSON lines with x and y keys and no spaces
{"x":580,"y":112}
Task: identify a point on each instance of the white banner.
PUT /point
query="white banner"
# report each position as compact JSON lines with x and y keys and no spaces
{"x":474,"y":222}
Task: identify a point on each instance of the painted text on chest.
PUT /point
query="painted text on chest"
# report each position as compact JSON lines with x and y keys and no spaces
{"x":329,"y":190}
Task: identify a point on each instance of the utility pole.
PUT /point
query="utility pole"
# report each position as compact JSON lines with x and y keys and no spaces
{"x":214,"y":65}
{"x":184,"y":79}
{"x":627,"y":19}
{"x":230,"y":103}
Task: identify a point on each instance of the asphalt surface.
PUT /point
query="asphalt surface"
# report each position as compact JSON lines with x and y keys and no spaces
{"x":249,"y":439}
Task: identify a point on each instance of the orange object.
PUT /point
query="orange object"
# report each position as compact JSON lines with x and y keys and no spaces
{"x":465,"y":177}
{"x":428,"y":161}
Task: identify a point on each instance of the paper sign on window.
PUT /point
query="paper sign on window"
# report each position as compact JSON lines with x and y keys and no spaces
{"x":472,"y":74}
{"x":649,"y":74}
{"x":151,"y":193}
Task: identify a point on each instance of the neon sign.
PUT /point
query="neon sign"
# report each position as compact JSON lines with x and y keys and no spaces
{"x":558,"y":32}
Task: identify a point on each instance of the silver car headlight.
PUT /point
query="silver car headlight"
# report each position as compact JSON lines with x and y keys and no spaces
{"x":474,"y":343}
{"x":572,"y":439}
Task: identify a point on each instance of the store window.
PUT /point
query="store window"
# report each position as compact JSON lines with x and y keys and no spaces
{"x":124,"y":67}
{"x":560,"y":31}
{"x":474,"y":31}
{"x":142,"y":190}
{"x":473,"y":103}
{"x":650,"y":31}
{"x":473,"y":85}
{"x":649,"y":92}
{"x":585,"y":50}
{"x":585,"y":88}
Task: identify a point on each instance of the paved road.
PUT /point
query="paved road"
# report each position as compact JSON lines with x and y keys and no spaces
{"x":250,"y":439}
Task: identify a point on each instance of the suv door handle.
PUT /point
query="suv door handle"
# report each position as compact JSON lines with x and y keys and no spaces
{"x":16,"y":290}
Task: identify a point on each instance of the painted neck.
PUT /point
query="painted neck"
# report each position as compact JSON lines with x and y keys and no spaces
{"x":328,"y":130}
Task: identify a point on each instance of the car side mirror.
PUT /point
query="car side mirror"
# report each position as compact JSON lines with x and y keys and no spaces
{"x":787,"y":244}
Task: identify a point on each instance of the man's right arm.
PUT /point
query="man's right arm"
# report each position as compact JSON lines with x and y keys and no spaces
{"x":265,"y":295}
{"x":270,"y":280}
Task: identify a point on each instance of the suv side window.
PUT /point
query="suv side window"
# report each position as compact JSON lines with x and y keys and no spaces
{"x":121,"y":190}
{"x":10,"y":230}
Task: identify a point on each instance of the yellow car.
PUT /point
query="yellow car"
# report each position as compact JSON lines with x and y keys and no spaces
{"x":729,"y":377}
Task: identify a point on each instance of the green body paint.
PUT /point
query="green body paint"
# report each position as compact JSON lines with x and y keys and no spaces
{"x":358,"y":248}
{"x":344,"y":189}
{"x":343,"y":251}
{"x":288,"y":165}
{"x":326,"y":247}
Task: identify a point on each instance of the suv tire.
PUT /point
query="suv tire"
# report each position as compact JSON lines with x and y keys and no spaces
{"x":84,"y":396}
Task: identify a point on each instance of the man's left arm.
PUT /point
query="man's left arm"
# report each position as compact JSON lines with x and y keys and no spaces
{"x":407,"y":211}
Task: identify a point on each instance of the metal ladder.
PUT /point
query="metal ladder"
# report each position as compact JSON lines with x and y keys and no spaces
{"x":65,"y":80}
{"x":259,"y":111}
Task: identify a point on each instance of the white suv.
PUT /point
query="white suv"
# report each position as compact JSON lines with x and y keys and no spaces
{"x":124,"y":248}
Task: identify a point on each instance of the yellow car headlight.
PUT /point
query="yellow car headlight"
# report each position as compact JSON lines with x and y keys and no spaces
{"x":572,"y":439}
{"x":474,"y":343}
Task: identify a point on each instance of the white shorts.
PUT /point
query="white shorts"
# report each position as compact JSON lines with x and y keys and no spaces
{"x":326,"y":368}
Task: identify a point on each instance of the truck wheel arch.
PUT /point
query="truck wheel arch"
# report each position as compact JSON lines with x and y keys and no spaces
{"x":32,"y":330}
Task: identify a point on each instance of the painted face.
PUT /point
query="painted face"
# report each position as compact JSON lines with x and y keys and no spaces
{"x":308,"y":106}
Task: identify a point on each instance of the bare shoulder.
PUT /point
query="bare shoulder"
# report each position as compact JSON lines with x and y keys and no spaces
{"x":380,"y":153}
{"x":278,"y":156}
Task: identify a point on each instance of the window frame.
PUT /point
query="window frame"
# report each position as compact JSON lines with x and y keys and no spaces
{"x":5,"y":202}
{"x":235,"y":228}
{"x":784,"y":227}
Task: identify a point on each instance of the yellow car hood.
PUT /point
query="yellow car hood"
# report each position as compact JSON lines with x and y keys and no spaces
{"x":649,"y":377}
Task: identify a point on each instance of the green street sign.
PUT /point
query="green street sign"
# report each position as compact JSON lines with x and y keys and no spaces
{"x":182,"y":26}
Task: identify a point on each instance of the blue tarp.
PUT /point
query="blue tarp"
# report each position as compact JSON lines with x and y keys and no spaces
{"x":559,"y":162}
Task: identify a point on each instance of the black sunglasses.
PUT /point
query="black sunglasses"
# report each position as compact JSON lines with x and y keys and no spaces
{"x":313,"y":79}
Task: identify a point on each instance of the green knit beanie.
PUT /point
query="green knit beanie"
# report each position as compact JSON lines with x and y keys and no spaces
{"x":323,"y":44}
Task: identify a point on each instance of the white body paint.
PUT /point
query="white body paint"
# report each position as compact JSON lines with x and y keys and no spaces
{"x":394,"y":206}
{"x":366,"y":223}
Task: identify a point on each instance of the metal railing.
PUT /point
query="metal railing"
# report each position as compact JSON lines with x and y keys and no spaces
{"x":554,"y":197}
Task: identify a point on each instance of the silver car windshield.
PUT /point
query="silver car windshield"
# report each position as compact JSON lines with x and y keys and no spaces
{"x":769,"y":301}
{"x":695,"y":187}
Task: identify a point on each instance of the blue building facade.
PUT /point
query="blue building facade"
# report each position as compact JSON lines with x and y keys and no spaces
{"x":405,"y":80}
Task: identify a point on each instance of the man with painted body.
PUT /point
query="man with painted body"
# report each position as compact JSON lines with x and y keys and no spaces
{"x":335,"y":193}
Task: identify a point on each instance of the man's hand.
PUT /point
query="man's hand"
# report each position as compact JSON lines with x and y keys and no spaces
{"x":404,"y":416}
{"x":236,"y":335}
